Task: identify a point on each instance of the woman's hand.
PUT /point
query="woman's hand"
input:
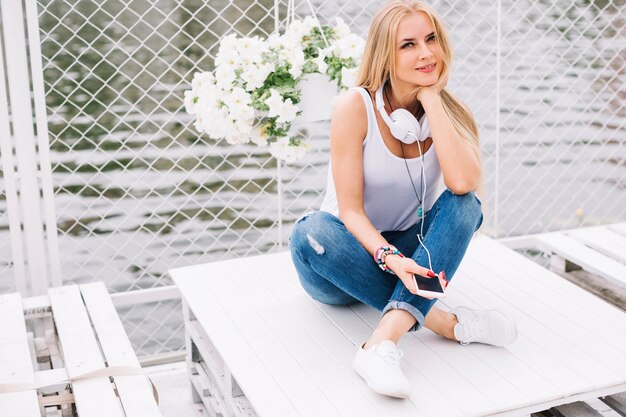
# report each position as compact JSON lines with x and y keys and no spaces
{"x":424,"y":92}
{"x":404,"y":268}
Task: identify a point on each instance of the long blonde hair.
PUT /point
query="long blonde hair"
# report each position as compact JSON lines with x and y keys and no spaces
{"x":379,"y":56}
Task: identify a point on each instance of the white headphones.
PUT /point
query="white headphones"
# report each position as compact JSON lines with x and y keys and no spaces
{"x":403,"y":125}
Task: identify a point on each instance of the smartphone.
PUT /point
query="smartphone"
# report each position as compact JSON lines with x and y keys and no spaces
{"x":429,"y":287}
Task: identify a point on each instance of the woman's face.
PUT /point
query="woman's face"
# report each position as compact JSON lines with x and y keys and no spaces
{"x":418,"y":54}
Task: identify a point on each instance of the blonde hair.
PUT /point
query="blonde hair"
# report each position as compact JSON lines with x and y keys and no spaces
{"x":379,"y":56}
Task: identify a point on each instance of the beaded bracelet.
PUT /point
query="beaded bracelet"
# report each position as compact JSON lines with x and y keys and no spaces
{"x":381,"y":254}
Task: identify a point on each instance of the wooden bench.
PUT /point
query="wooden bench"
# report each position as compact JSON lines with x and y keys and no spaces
{"x":258,"y":345}
{"x":79,"y":333}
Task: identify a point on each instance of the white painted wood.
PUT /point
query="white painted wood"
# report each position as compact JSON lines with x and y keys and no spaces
{"x":520,"y":269}
{"x":43,"y":144}
{"x":10,"y":184}
{"x":604,"y":320}
{"x":312,"y":357}
{"x":150,"y":295}
{"x":518,"y":242}
{"x":300,"y":389}
{"x":619,"y":228}
{"x":202,"y":342}
{"x":36,"y":307}
{"x":22,"y":117}
{"x":341,"y":340}
{"x":50,"y":380}
{"x":580,"y":254}
{"x":95,"y":396}
{"x":571,"y":344}
{"x":15,"y":361}
{"x":134,"y":391}
{"x":31,"y":347}
{"x":231,"y":344}
{"x":546,"y":369}
{"x":604,"y":240}
{"x":591,"y":355}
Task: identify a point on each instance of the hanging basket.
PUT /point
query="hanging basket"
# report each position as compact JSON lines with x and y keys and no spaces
{"x":301,"y":70}
{"x":318,"y":93}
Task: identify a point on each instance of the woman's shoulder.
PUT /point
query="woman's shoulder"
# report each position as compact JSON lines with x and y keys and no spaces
{"x":350,"y":108}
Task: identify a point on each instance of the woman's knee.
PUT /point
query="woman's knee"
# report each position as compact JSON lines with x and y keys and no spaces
{"x":467,"y":209}
{"x":310,"y":231}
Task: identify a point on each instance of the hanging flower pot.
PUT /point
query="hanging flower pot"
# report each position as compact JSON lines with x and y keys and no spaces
{"x":318,"y":92}
{"x":259,"y":86}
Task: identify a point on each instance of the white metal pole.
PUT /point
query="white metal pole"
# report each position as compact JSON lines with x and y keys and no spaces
{"x":498,"y":107}
{"x":21,"y":112}
{"x":279,"y":180}
{"x":43,"y":143}
{"x":278,"y":173}
{"x":8,"y":168}
{"x":276,"y":15}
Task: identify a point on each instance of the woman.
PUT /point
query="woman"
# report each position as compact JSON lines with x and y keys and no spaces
{"x":400,"y":198}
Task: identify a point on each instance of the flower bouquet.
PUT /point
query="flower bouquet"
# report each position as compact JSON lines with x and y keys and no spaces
{"x":253,"y":93}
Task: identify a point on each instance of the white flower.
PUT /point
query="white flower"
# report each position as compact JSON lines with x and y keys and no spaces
{"x":285,"y":110}
{"x":236,"y":139}
{"x":258,"y":135}
{"x":225,"y":76}
{"x":199,"y":124}
{"x":341,"y":29}
{"x":238,"y":97}
{"x":281,"y":149}
{"x":296,"y":59}
{"x":222,"y":103}
{"x":297,"y":29}
{"x":322,"y":66}
{"x":348,"y":77}
{"x":227,"y":57}
{"x":190,"y":101}
{"x":202,"y":80}
{"x":256,"y":75}
{"x":350,"y":46}
{"x":308,"y":24}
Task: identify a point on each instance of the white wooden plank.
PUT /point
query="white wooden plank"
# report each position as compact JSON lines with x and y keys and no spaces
{"x":592,"y":358}
{"x":494,"y":371}
{"x":618,"y":227}
{"x":580,"y":254}
{"x":231,"y":344}
{"x":306,"y":396}
{"x":535,"y":352}
{"x":526,"y":275}
{"x":314,"y":355}
{"x":525,"y":364}
{"x":95,"y":396}
{"x":135,"y":392}
{"x":603,"y":240}
{"x":420,"y":363}
{"x":277,"y":273}
{"x":15,"y":361}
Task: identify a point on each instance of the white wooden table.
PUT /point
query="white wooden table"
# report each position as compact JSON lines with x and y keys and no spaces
{"x":267,"y":349}
{"x":90,"y":338}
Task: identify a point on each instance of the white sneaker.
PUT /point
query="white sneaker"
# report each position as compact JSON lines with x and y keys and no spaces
{"x":484,"y":326}
{"x":379,"y":366}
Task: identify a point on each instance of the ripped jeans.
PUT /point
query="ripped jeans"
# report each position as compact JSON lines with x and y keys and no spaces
{"x":334,"y":268}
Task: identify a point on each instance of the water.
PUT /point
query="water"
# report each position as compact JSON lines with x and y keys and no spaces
{"x":137,"y":192}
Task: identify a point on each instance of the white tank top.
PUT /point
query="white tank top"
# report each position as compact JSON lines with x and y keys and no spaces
{"x":388,"y":196}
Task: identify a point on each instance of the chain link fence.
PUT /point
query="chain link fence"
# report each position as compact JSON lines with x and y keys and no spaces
{"x":138,"y":191}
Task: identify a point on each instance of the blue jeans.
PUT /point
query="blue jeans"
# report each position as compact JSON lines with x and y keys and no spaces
{"x":334,"y":268}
